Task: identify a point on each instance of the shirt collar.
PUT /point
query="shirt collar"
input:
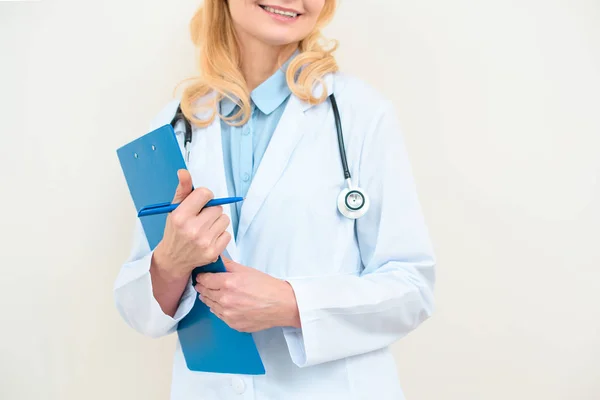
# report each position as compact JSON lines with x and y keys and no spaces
{"x":268,"y":95}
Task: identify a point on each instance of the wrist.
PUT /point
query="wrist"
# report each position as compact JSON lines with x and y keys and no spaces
{"x":163,"y":266}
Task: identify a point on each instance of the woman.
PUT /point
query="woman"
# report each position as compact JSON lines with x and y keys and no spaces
{"x":322,"y":294}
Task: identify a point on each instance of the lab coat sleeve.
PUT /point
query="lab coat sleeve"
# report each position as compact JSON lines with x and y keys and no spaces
{"x":347,"y":315}
{"x":134,"y":296}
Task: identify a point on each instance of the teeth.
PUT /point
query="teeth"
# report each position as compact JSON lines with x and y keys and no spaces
{"x":286,"y":13}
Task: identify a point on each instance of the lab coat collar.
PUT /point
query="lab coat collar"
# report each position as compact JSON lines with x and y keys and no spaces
{"x":318,"y":90}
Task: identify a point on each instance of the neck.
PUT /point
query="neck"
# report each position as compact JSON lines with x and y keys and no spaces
{"x":260,"y":60}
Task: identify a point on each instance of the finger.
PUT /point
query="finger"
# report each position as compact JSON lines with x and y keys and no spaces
{"x":211,"y":280}
{"x":232,"y":266}
{"x":213,"y":305}
{"x":195,"y":202}
{"x":219,"y":314}
{"x":184,"y":188}
{"x":220,"y":225}
{"x":222,"y":241}
{"x":205,"y":292}
{"x":208,"y":216}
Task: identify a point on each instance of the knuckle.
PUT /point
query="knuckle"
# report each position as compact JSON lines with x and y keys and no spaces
{"x":178,"y":220}
{"x":210,"y":213}
{"x":205,"y":280}
{"x":213,"y":212}
{"x":228,"y":315}
{"x":212,"y":254}
{"x":193,"y":232}
{"x":229,"y":284}
{"x":224,"y":301}
{"x":204,"y":243}
{"x":206,"y":192}
{"x":227,"y":237}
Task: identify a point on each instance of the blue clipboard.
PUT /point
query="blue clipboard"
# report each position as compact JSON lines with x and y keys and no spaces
{"x":150,"y":164}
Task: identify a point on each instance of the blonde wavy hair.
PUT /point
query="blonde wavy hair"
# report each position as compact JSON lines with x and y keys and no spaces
{"x":213,"y":33}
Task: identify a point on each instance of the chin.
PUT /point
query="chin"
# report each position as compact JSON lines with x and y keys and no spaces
{"x":279,"y":37}
{"x":279,"y":41}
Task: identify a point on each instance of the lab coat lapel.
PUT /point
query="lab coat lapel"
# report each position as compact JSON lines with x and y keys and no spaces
{"x":288,"y":133}
{"x":206,"y":164}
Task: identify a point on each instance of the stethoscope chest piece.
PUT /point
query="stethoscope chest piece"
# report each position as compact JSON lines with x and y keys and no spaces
{"x":353,"y":202}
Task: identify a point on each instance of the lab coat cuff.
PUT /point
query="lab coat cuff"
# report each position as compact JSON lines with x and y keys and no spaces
{"x":186,"y":303}
{"x":137,"y":303}
{"x":303,"y":343}
{"x":295,"y":342}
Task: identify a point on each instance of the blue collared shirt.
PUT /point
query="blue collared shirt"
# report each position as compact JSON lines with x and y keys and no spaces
{"x":244,"y":146}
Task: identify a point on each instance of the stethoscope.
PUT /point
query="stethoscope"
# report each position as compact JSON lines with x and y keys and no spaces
{"x":352,"y":202}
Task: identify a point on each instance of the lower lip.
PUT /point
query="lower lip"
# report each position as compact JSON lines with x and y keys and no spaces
{"x":280,"y":17}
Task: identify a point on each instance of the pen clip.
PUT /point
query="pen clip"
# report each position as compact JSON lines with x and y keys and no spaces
{"x":153,"y":207}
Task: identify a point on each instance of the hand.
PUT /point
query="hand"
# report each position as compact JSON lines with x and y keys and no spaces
{"x":248,"y":300}
{"x":194,"y":236}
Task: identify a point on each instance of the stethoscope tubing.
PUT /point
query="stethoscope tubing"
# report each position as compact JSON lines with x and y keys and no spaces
{"x":345,"y":208}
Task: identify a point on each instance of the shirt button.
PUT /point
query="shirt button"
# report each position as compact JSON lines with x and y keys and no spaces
{"x":238,"y":385}
{"x":246,"y":132}
{"x":246,"y":177}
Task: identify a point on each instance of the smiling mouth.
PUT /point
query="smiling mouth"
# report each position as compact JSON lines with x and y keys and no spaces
{"x":278,"y":11}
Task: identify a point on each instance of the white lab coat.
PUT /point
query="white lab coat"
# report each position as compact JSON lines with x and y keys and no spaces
{"x":360,"y":285}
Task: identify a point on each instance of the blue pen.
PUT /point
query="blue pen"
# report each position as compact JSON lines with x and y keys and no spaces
{"x":163,"y":208}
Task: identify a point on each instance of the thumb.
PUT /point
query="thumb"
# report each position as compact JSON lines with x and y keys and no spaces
{"x":185,"y":186}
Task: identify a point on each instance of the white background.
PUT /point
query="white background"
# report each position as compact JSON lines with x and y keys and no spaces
{"x":500,"y":104}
